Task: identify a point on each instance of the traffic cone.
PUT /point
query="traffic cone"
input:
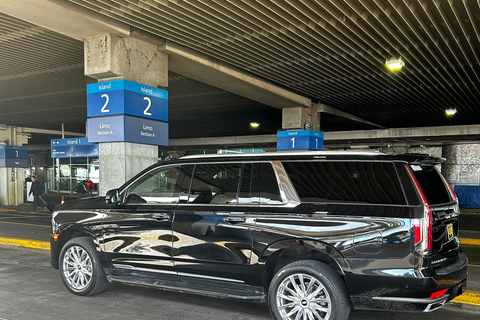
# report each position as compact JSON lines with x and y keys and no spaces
{"x":63,"y":200}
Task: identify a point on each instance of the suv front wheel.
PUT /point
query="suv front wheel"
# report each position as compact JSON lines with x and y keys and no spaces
{"x":308,"y":289}
{"x":80,"y":269}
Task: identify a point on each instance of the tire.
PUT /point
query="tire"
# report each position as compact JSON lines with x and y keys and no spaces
{"x":308,"y":289}
{"x":80,"y":268}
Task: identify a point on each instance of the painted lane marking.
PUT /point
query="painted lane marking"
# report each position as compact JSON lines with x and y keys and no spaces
{"x":26,"y":224}
{"x":469,"y":297}
{"x":470,"y":242}
{"x":35,"y":244}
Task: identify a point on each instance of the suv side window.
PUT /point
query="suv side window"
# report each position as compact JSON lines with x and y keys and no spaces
{"x":265,"y":184}
{"x":157,"y":186}
{"x":360,"y":182}
{"x":259,"y":185}
{"x":215,"y":183}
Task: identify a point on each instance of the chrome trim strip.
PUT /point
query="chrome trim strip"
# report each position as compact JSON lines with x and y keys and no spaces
{"x":414,"y":300}
{"x":266,"y":154}
{"x":128,"y":267}
{"x":208,"y":277}
{"x":289,"y":194}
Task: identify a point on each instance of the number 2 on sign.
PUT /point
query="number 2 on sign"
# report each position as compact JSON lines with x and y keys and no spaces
{"x":104,"y":108}
{"x":145,"y":112}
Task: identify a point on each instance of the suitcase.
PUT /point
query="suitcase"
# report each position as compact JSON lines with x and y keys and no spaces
{"x":48,"y":205}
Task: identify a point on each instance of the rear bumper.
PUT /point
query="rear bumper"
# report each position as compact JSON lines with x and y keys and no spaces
{"x":421,"y":304}
{"x":412,"y":291}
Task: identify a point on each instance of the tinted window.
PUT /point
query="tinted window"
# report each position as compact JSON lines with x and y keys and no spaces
{"x":215,"y":183}
{"x":245,"y":194}
{"x":265,"y":186}
{"x":365,"y":182}
{"x":157,"y":186}
{"x":432,"y":184}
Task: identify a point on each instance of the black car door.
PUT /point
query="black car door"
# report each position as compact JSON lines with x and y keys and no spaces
{"x":138,"y":232}
{"x":213,"y":227}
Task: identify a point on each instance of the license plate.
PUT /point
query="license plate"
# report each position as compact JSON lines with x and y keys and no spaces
{"x":450,"y":231}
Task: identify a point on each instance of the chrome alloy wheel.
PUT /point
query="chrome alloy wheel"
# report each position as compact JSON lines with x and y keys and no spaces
{"x":301,"y":296}
{"x":77,"y":268}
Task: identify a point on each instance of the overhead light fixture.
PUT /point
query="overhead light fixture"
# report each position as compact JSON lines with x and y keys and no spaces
{"x":395,"y":64}
{"x":254,"y":124}
{"x":450,"y":112}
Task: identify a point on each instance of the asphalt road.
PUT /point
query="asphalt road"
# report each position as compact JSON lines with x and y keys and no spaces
{"x":31,"y":289}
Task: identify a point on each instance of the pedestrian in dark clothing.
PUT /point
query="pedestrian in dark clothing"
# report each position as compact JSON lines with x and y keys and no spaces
{"x":81,"y":190}
{"x":37,"y":191}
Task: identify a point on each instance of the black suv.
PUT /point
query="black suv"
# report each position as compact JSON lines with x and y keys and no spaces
{"x":310,"y":233}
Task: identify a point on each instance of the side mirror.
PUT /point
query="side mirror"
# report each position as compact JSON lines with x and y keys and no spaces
{"x":112,"y":197}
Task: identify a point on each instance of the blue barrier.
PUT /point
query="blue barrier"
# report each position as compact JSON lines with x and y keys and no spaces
{"x":468,"y":196}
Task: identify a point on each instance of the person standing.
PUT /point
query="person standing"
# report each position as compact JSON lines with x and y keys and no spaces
{"x":81,"y":190}
{"x":89,"y":186}
{"x":37,"y":191}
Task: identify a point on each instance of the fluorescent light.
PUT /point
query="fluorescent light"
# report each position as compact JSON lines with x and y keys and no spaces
{"x":395,"y":64}
{"x":451,"y":111}
{"x":254,"y":124}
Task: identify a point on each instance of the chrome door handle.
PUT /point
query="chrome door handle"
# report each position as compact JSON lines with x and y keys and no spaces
{"x":234,"y":219}
{"x":161,"y":216}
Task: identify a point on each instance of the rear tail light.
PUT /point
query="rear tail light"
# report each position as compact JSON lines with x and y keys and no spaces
{"x":422,"y":228}
{"x":438,"y":294}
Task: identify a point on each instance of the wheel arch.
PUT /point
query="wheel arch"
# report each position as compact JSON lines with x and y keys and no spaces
{"x":70,"y":232}
{"x":285,"y":252}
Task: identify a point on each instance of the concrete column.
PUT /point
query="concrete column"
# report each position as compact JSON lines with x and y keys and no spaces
{"x":463,"y":164}
{"x":12,"y":179}
{"x":110,"y":57}
{"x":122,"y":161}
{"x":301,"y":118}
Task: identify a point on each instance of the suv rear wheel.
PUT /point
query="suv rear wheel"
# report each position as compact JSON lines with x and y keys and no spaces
{"x":308,"y":289}
{"x":80,"y":269}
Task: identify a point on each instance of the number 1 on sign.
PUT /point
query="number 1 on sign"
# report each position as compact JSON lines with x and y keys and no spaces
{"x":293,"y":142}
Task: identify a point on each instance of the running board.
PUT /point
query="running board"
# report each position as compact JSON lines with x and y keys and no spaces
{"x":237,"y":292}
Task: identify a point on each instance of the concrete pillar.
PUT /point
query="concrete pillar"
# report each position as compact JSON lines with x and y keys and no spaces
{"x":301,"y":118}
{"x":12,"y":179}
{"x":123,"y":160}
{"x":463,"y":164}
{"x":110,"y":57}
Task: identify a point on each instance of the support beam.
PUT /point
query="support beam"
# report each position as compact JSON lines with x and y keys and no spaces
{"x":205,"y":69}
{"x":321,"y":108}
{"x":63,"y":17}
{"x":460,"y":133}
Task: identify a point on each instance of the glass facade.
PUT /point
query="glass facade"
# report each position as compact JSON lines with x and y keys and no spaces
{"x":68,"y":172}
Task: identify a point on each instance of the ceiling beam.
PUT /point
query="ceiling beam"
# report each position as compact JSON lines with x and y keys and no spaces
{"x":321,"y":108}
{"x":372,"y":136}
{"x":63,"y":17}
{"x":203,"y":68}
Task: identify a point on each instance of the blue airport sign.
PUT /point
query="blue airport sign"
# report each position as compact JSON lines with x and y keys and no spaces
{"x":13,"y":163}
{"x":299,"y":140}
{"x":13,"y":152}
{"x":129,"y":129}
{"x":126,"y":97}
{"x":73,"y":148}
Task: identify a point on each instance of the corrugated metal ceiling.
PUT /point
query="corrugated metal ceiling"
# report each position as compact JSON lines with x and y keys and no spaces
{"x":333,"y":52}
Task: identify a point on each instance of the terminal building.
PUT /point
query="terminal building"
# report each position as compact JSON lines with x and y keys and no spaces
{"x":100,"y":90}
